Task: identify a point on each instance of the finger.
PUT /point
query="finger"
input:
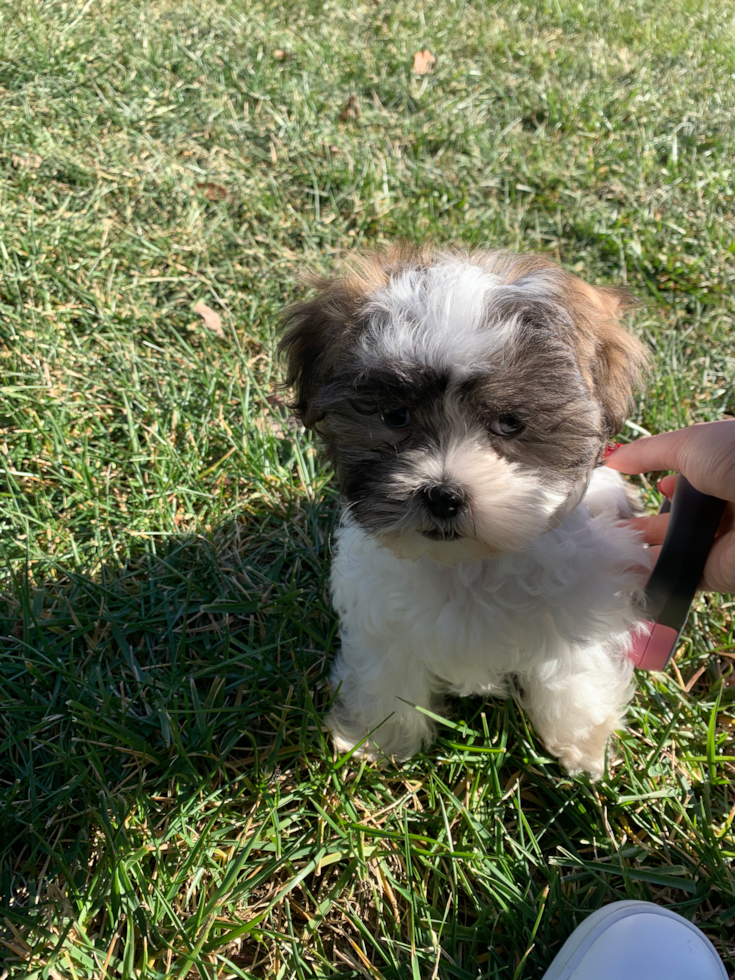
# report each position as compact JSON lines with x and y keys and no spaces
{"x":654,"y":551}
{"x":668,"y":485}
{"x":704,"y":453}
{"x":719,"y":572}
{"x":661,"y":452}
{"x":652,"y":529}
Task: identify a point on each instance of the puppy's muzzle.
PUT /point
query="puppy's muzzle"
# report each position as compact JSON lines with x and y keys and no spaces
{"x":444,"y":500}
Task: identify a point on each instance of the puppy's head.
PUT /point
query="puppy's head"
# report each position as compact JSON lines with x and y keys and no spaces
{"x":463,"y":399}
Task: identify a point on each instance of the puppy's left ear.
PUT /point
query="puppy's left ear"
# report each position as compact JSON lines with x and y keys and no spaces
{"x":615,"y":360}
{"x":312,"y":343}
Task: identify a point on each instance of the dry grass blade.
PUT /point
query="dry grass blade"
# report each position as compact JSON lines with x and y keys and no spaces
{"x":27,"y":161}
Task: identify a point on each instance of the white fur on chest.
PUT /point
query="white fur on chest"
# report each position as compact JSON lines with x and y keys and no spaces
{"x":559,"y":612}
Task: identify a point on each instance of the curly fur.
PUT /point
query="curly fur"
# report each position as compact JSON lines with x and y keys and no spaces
{"x":551,"y":625}
{"x":465,"y":400}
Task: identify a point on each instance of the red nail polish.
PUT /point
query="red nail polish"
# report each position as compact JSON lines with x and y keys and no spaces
{"x":609,"y":449}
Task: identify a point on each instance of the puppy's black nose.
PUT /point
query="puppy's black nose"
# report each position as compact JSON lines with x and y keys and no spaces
{"x":443,"y":500}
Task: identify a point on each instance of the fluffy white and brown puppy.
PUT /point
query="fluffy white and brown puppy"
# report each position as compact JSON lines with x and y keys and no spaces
{"x":465,"y":401}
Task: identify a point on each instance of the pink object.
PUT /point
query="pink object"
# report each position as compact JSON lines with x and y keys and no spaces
{"x":609,"y":449}
{"x":652,"y":650}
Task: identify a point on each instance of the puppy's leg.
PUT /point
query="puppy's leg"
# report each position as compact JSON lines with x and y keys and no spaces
{"x":373,"y":688}
{"x":576,"y":703}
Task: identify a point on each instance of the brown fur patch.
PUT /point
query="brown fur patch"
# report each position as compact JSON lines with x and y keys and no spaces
{"x":611,"y":358}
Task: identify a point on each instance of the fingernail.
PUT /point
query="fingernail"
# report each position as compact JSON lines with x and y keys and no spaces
{"x":610,"y":449}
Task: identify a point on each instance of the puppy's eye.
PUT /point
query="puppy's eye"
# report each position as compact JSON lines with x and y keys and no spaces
{"x":396,"y":418}
{"x":506,"y":426}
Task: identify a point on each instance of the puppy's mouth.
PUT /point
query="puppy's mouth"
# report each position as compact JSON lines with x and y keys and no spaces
{"x":436,"y":535}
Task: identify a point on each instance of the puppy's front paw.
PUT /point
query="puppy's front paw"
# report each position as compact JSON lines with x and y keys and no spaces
{"x":577,"y":763}
{"x":345,"y":740}
{"x":587,"y":754}
{"x":391,"y":740}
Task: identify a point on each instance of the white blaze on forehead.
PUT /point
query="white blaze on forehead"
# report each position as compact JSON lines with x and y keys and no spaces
{"x":441,"y":315}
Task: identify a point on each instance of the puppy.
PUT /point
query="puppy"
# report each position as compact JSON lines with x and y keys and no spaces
{"x":465,"y":401}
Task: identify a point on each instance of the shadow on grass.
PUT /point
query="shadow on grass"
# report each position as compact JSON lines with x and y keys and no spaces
{"x":169,"y":804}
{"x":188,"y":670}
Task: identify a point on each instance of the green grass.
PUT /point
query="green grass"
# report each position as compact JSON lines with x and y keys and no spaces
{"x":169,"y":805}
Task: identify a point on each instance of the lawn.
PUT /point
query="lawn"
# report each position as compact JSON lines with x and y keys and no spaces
{"x":169,"y":803}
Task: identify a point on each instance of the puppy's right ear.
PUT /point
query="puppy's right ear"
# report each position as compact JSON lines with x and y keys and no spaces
{"x":313,"y":342}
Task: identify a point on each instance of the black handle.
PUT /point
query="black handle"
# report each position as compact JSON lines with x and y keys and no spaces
{"x":693,"y":524}
{"x":675,"y":578}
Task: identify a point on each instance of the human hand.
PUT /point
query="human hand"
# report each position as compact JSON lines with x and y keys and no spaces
{"x":705,"y":455}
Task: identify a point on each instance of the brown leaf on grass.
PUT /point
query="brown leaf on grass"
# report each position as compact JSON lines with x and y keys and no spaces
{"x":351,"y":110}
{"x":280,"y":55}
{"x":423,"y":62}
{"x":279,"y":422}
{"x":278,"y":402}
{"x":29,"y":161}
{"x":212,"y":192}
{"x":212,"y":320}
